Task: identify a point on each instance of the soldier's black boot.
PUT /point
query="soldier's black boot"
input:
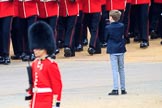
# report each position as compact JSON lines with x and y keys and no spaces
{"x":7,"y":60}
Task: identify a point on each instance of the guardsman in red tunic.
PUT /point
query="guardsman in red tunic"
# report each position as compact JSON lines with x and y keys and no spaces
{"x":16,"y":36}
{"x":28,"y":12}
{"x":92,"y":15}
{"x":69,"y":9}
{"x":49,"y":12}
{"x":47,"y":84}
{"x":155,"y":19}
{"x":6,"y":14}
{"x":141,"y":8}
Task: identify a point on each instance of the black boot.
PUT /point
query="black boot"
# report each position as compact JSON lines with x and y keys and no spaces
{"x":144,"y":44}
{"x":7,"y":60}
{"x":91,"y":51}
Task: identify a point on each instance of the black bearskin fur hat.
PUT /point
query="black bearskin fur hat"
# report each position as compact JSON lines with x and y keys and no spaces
{"x":41,"y":36}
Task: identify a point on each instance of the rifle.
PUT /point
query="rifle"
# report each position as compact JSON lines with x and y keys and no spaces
{"x":29,"y":72}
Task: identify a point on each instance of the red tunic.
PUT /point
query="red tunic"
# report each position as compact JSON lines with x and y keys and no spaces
{"x":140,"y":2}
{"x":28,"y":8}
{"x":16,"y":9}
{"x":115,"y":4}
{"x":68,"y":8}
{"x":48,"y":9}
{"x":92,"y":6}
{"x":103,"y":2}
{"x":158,"y":1}
{"x":80,"y":4}
{"x":129,"y":1}
{"x":6,"y":8}
{"x":47,"y":80}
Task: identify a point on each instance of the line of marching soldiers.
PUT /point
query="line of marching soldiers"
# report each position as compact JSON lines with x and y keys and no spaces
{"x":70,"y":19}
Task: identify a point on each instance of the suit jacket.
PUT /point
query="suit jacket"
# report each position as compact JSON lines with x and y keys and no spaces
{"x":114,"y":34}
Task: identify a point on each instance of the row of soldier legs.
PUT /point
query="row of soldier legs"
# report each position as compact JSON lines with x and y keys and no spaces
{"x":71,"y":31}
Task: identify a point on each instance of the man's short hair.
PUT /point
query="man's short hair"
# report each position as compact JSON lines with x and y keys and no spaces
{"x":115,"y":14}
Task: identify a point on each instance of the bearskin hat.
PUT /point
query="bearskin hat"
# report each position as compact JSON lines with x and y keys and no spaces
{"x":41,"y":36}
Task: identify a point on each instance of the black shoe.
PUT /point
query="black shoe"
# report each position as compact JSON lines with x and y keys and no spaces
{"x":57,"y":51}
{"x":22,"y":55}
{"x":28,"y":57}
{"x":144,"y":44}
{"x":67,"y":52}
{"x":85,"y":42}
{"x":2,"y":60}
{"x":53,"y":56}
{"x":98,"y":51}
{"x":114,"y":92}
{"x":79,"y":48}
{"x":7,"y":60}
{"x":137,"y":39}
{"x":16,"y":57}
{"x":91,"y":51}
{"x":153,"y":35}
{"x":25,"y":58}
{"x":60,"y":44}
{"x":32,"y":57}
{"x":123,"y":92}
{"x":103,"y":44}
{"x":127,"y":40}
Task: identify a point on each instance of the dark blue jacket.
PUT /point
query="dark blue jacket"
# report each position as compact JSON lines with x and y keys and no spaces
{"x":114,"y":35}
